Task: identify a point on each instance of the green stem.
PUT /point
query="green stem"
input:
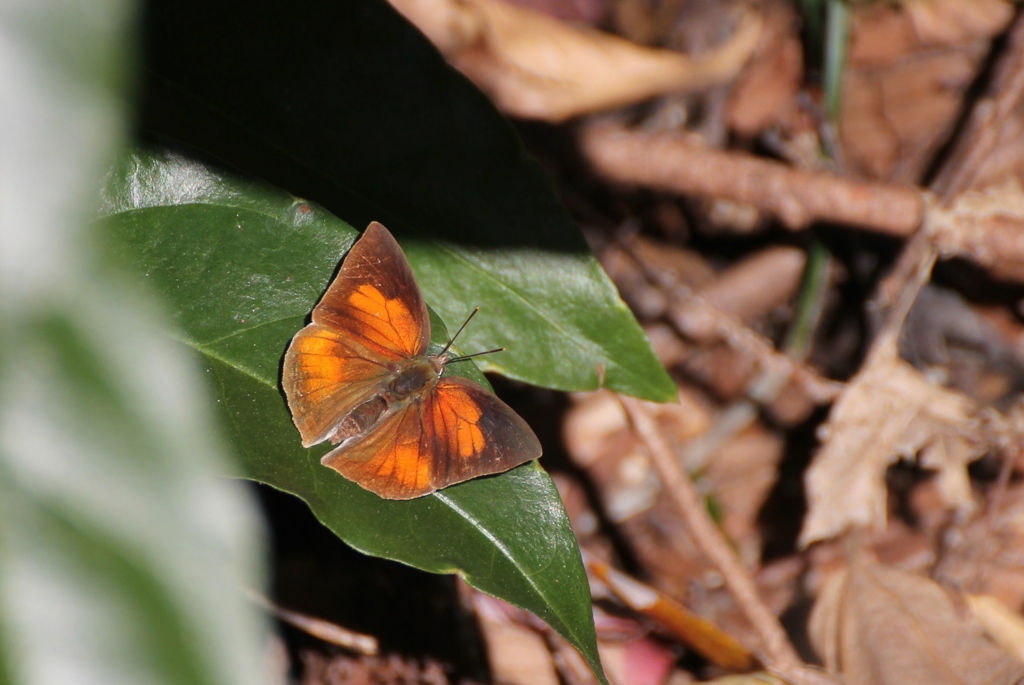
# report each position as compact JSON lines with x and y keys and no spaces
{"x":837,"y":39}
{"x":810,"y":303}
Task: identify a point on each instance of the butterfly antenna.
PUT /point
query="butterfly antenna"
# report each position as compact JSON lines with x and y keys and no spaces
{"x":475,"y":354}
{"x":467,"y":356}
{"x":461,"y":328}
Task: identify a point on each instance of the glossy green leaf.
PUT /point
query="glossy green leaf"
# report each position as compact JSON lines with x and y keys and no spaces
{"x":124,"y":555}
{"x":346,"y":104}
{"x":241,"y":267}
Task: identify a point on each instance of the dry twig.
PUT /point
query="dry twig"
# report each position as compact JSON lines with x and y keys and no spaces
{"x":702,"y":635}
{"x":697,"y":319}
{"x":781,"y":657}
{"x":682,"y":165}
{"x":319,"y":628}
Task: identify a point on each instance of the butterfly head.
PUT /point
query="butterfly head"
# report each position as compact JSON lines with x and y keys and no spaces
{"x":439,"y":361}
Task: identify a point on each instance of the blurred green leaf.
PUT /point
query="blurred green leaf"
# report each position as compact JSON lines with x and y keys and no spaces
{"x":123,"y":555}
{"x":241,"y":266}
{"x":347,"y":104}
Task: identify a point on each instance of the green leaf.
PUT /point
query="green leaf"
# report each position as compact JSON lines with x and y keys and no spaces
{"x":346,"y":104}
{"x":124,"y":555}
{"x":242,"y":266}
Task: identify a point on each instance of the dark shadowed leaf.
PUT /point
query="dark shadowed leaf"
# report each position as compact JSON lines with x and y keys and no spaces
{"x":346,"y":104}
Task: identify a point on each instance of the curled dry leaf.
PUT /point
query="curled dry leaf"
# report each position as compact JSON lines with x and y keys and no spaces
{"x":889,"y":411}
{"x":536,"y":67}
{"x":880,"y":626}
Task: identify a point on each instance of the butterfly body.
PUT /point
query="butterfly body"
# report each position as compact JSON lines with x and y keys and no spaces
{"x":410,"y":380}
{"x":359,"y":376}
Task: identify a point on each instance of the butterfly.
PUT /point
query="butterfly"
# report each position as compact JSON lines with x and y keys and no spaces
{"x":359,"y":376}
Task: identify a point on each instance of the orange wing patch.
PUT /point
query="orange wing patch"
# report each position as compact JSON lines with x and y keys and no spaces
{"x":456,"y":416}
{"x":474,"y":433}
{"x":454,"y":432}
{"x":386,"y":322}
{"x":321,"y":371}
{"x":390,"y":461}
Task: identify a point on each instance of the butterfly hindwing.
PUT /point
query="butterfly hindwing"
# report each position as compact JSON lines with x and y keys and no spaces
{"x":455,"y":432}
{"x":391,"y":459}
{"x":474,"y":433}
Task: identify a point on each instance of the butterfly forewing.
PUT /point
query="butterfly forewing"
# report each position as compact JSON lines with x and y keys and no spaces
{"x":374,"y":301}
{"x":325,"y":377}
{"x":371,"y":318}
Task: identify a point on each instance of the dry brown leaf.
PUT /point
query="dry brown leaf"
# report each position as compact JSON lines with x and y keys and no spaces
{"x":878,"y":626}
{"x":883,"y":32}
{"x":985,"y":556}
{"x":889,"y":411}
{"x":536,"y":67}
{"x":766,"y":94}
{"x":517,"y":654}
{"x":754,"y":286}
{"x":908,"y":70}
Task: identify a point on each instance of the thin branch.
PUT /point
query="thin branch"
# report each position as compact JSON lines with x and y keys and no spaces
{"x":780,"y":655}
{"x":897,"y":292}
{"x":679,"y":164}
{"x":697,"y":319}
{"x":319,"y":628}
{"x":977,"y":213}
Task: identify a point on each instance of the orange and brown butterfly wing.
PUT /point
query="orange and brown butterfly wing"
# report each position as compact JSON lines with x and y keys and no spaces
{"x":371,"y":317}
{"x":474,"y":433}
{"x":455,"y":432}
{"x":374,"y":300}
{"x":324,"y":378}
